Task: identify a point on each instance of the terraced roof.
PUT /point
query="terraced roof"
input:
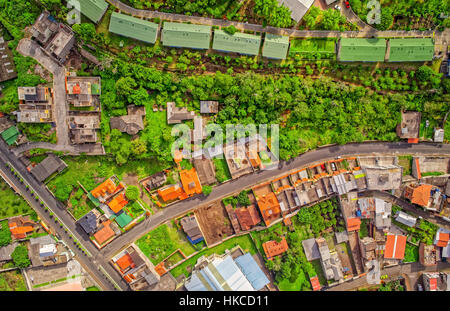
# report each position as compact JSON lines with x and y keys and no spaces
{"x":186,"y":35}
{"x":411,"y":50}
{"x":238,"y":43}
{"x":362,"y":50}
{"x":275,"y":46}
{"x":133,"y":27}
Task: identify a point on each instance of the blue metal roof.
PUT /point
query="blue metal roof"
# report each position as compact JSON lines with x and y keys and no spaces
{"x":252,"y":271}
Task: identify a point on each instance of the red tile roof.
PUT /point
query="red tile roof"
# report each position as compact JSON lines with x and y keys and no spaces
{"x":353,"y":224}
{"x":419,"y":174}
{"x":433,"y":283}
{"x":125,"y":261}
{"x":443,"y":239}
{"x":118,"y":203}
{"x":315,"y":283}
{"x":273,"y":248}
{"x":395,"y":246}
{"x":105,"y":233}
{"x":269,"y":207}
{"x":170,"y":193}
{"x":248,"y":217}
{"x":191,"y":182}
{"x":421,"y":195}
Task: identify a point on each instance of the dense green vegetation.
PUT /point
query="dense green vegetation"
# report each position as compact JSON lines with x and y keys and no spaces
{"x":222,"y":172}
{"x":20,"y":256}
{"x":424,"y":231}
{"x":12,"y":204}
{"x":12,"y":281}
{"x":393,"y":286}
{"x":322,"y":216}
{"x":5,"y":234}
{"x":406,"y":14}
{"x":331,"y":19}
{"x":411,"y":253}
{"x":132,"y":193}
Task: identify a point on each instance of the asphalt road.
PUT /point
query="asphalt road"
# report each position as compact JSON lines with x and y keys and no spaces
{"x":229,"y":188}
{"x":92,"y":264}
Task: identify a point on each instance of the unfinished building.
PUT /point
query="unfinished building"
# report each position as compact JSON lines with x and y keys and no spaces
{"x":83,"y":128}
{"x":83,"y":93}
{"x":35,"y":104}
{"x":7,"y":67}
{"x":410,"y":126}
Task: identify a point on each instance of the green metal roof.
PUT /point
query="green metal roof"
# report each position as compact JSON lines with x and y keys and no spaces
{"x":239,"y":42}
{"x":275,"y":46}
{"x":186,"y":35}
{"x":10,"y":135}
{"x":123,"y":219}
{"x":411,"y":50}
{"x":133,"y":27}
{"x":363,"y":50}
{"x":93,"y":199}
{"x":93,"y":9}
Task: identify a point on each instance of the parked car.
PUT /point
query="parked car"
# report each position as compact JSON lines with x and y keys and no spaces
{"x":347,"y":4}
{"x":337,"y":7}
{"x":333,"y":166}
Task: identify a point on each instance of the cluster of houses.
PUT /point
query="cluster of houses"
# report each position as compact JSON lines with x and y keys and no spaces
{"x":111,"y":215}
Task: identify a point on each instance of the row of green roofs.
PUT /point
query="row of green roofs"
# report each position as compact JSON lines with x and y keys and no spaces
{"x":400,"y":50}
{"x":199,"y":37}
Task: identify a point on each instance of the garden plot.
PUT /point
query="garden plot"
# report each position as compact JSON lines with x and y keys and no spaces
{"x":214,"y":222}
{"x":12,"y":281}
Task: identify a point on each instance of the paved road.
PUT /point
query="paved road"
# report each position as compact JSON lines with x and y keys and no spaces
{"x":247,"y":181}
{"x":354,"y":18}
{"x":365,"y":32}
{"x":90,"y":149}
{"x":30,"y":48}
{"x":392,"y":272}
{"x":407,"y":206}
{"x":92,"y":264}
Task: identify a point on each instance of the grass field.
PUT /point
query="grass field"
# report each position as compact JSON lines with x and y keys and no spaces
{"x":222,"y":172}
{"x":322,"y":45}
{"x":411,"y":253}
{"x":405,"y":162}
{"x":12,"y":281}
{"x":245,"y":242}
{"x":12,"y":204}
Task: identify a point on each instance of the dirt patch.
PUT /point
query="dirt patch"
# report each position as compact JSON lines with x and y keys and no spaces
{"x":214,"y":222}
{"x":131,"y":180}
{"x":342,"y":251}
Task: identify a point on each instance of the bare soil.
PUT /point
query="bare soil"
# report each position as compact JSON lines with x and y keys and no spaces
{"x":214,"y":222}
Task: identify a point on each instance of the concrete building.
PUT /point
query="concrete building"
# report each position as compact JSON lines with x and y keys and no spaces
{"x":331,"y":264}
{"x":7,"y":67}
{"x":382,"y":214}
{"x":35,"y":105}
{"x":209,"y":106}
{"x":192,"y":229}
{"x":438,"y":135}
{"x":410,"y":126}
{"x":83,"y":92}
{"x":83,"y":129}
{"x":383,"y":177}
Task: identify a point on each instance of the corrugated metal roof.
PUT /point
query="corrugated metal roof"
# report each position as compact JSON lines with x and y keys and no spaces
{"x":186,"y":35}
{"x":361,"y":49}
{"x":239,"y":42}
{"x":93,"y":9}
{"x":10,"y":135}
{"x":252,"y":271}
{"x":411,"y":50}
{"x":123,"y":219}
{"x":133,"y":27}
{"x":275,"y":46}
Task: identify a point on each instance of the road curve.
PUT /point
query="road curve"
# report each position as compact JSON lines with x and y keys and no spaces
{"x":305,"y":159}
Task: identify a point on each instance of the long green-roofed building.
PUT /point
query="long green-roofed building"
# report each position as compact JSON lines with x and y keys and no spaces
{"x":362,"y":50}
{"x":238,"y":42}
{"x":133,"y":27}
{"x":10,"y":135}
{"x":93,"y":9}
{"x":411,"y":50}
{"x":275,"y":46}
{"x":186,"y":35}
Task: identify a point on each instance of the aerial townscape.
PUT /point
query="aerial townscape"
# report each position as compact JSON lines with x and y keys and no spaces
{"x":348,"y":189}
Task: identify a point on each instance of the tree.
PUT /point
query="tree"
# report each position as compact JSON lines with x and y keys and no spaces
{"x":230,"y":30}
{"x":132,"y":193}
{"x":5,"y":234}
{"x":243,"y":198}
{"x":206,"y":190}
{"x":20,"y":256}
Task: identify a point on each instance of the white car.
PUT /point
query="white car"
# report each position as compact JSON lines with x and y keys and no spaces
{"x":337,"y":7}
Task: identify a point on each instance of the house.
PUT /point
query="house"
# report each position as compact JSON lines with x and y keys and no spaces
{"x":45,"y":251}
{"x":248,"y":217}
{"x":155,"y":181}
{"x":56,"y":39}
{"x":438,"y":135}
{"x":343,"y":183}
{"x":89,"y":222}
{"x":269,"y":208}
{"x":171,"y":192}
{"x":223,"y":273}
{"x":123,"y":219}
{"x":35,"y":104}
{"x":83,"y":92}
{"x":382,"y":214}
{"x":424,"y":195}
{"x":353,"y":224}
{"x":395,"y":247}
{"x":205,"y":169}
{"x":368,"y":247}
{"x":47,"y":167}
{"x":93,"y":9}
{"x":186,"y":35}
{"x":430,"y":281}
{"x":341,"y":237}
{"x":275,"y":46}
{"x":209,"y":106}
{"x":131,"y":123}
{"x":410,"y":126}
{"x":405,"y":219}
{"x":274,"y":248}
{"x":311,"y":249}
{"x":361,"y":50}
{"x":233,"y":218}
{"x":106,"y":189}
{"x":118,"y":203}
{"x":192,"y":229}
{"x":330,"y":262}
{"x":6,"y":251}
{"x":21,"y":226}
{"x":237,"y":161}
{"x":7,"y":67}
{"x":105,"y":234}
{"x":176,"y":115}
{"x":411,"y":49}
{"x":190,"y":181}
{"x":132,"y":27}
{"x":298,"y":8}
{"x":383,"y":177}
{"x":315,"y":283}
{"x":238,"y":42}
{"x":83,"y":128}
{"x":428,"y":255}
{"x":442,"y":238}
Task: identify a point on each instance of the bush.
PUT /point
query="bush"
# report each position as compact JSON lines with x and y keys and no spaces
{"x":20,"y":256}
{"x":206,"y":190}
{"x":243,"y":198}
{"x":132,"y":193}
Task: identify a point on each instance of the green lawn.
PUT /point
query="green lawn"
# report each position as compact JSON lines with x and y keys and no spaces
{"x":432,"y":174}
{"x":411,"y":253}
{"x":12,"y":204}
{"x":323,"y":45}
{"x":245,"y":242}
{"x":162,"y":241}
{"x":12,"y":281}
{"x":222,"y":172}
{"x":405,"y":162}
{"x":318,"y":268}
{"x":92,"y":289}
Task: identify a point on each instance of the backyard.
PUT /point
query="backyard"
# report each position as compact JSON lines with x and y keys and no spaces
{"x":12,"y":281}
{"x":12,"y":204}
